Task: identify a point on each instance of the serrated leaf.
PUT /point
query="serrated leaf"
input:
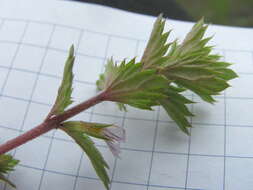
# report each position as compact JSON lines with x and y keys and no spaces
{"x":64,"y":99}
{"x":7,"y":164}
{"x":176,"y":106}
{"x":78,"y":133}
{"x":127,"y":83}
{"x":157,"y":46}
{"x":176,"y":111}
{"x":189,"y":65}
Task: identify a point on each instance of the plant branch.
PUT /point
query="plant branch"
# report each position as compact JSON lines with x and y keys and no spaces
{"x":52,"y":123}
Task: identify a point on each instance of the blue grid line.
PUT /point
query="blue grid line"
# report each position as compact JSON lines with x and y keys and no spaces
{"x":91,"y":114}
{"x":106,"y":53}
{"x":8,"y":74}
{"x":34,"y":87}
{"x":93,"y":83}
{"x":225,"y":135}
{"x":36,"y":81}
{"x":123,"y":120}
{"x":45,"y":74}
{"x":72,"y":27}
{"x":2,"y":23}
{"x":81,"y":157}
{"x":103,"y":33}
{"x":50,"y":48}
{"x":225,"y":142}
{"x":122,"y":125}
{"x":140,"y":150}
{"x":189,"y":149}
{"x":133,"y":118}
{"x":82,"y":54}
{"x":116,"y":159}
{"x":153,"y":148}
{"x":13,"y":59}
{"x":96,"y":179}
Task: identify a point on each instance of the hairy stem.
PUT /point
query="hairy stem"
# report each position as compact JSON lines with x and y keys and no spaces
{"x":51,"y":123}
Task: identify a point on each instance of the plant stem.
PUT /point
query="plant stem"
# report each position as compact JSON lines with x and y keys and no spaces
{"x":51,"y":123}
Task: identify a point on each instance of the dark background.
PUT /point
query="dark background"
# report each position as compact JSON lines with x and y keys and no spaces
{"x":225,"y":12}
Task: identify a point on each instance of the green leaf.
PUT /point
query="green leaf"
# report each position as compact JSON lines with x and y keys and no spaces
{"x":190,"y":64}
{"x":63,"y":99}
{"x":78,"y":130}
{"x":7,"y":164}
{"x":157,"y":46}
{"x":128,"y":83}
{"x":166,"y":69}
{"x":176,"y":106}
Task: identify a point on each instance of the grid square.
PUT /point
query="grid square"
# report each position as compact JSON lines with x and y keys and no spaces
{"x":132,"y":170}
{"x":82,"y":92}
{"x":6,"y":58}
{"x":207,"y":140}
{"x":29,"y":58}
{"x":240,"y":87}
{"x":38,"y":156}
{"x":3,"y":74}
{"x":239,"y":141}
{"x":108,"y":108}
{"x":239,"y":172}
{"x":20,"y":84}
{"x":122,"y":186}
{"x":70,"y":36}
{"x":116,"y":51}
{"x":54,"y":63}
{"x":141,"y":114}
{"x":93,"y":44}
{"x":38,"y":34}
{"x":35,"y":116}
{"x":87,"y":68}
{"x":107,"y":119}
{"x":139,"y":129}
{"x":61,"y":135}
{"x":56,"y":181}
{"x":233,"y":106}
{"x":205,"y":172}
{"x":46,"y":89}
{"x":12,"y":30}
{"x":87,"y":170}
{"x":22,"y":174}
{"x":207,"y":113}
{"x":64,"y":157}
{"x":171,"y":139}
{"x":93,"y":184}
{"x":242,"y":61}
{"x":12,"y":112}
{"x":168,"y":170}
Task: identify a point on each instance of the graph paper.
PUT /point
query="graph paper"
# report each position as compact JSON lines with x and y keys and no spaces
{"x":34,"y":40}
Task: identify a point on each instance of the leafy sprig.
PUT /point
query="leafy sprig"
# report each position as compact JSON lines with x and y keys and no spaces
{"x":165,"y":71}
{"x":173,"y":68}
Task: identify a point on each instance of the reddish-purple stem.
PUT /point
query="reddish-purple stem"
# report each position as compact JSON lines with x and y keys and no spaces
{"x":51,"y":123}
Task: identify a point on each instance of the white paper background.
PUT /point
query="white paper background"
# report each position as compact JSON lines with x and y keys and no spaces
{"x":34,"y":38}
